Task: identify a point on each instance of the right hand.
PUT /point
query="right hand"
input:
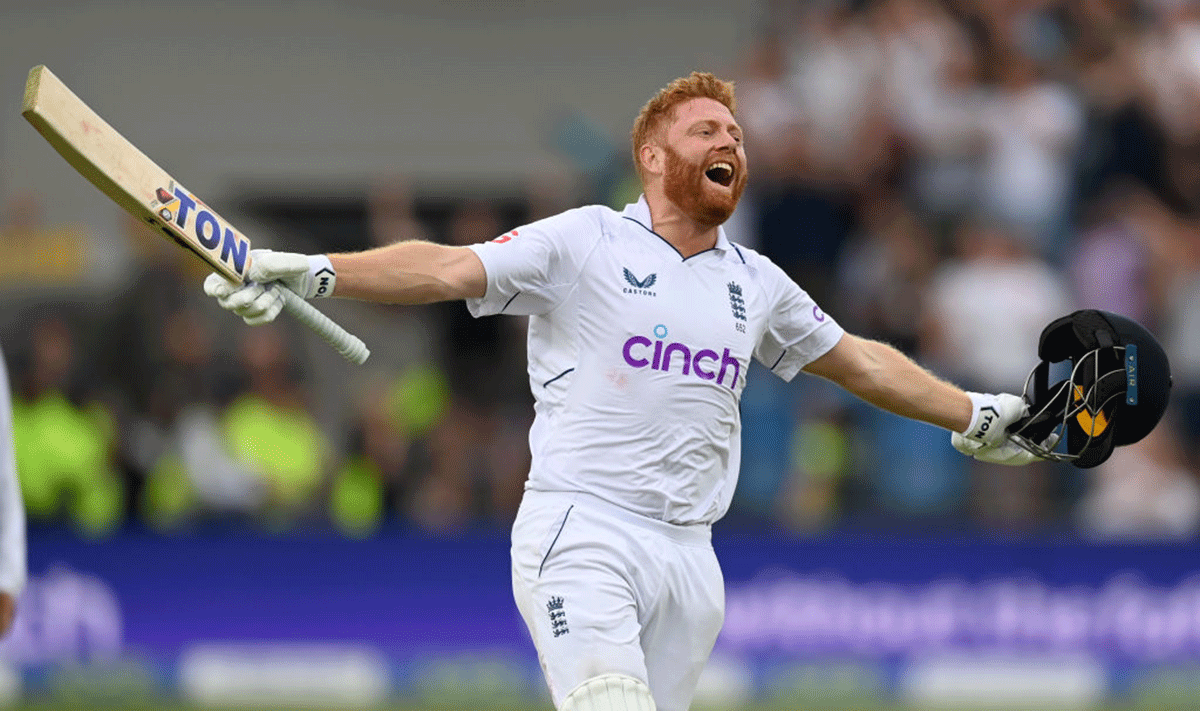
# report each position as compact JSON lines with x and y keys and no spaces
{"x":258,"y":301}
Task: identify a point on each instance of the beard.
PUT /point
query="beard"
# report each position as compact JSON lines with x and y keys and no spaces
{"x":686,"y":185}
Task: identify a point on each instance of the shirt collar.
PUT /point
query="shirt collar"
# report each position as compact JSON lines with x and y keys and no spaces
{"x":640,"y":212}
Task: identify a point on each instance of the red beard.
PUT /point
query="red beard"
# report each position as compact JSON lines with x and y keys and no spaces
{"x":685,"y":185}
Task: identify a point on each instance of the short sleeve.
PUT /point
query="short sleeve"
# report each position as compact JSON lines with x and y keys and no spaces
{"x":532,"y":269}
{"x":798,"y":331}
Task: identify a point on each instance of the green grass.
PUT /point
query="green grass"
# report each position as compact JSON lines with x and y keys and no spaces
{"x":796,"y":705}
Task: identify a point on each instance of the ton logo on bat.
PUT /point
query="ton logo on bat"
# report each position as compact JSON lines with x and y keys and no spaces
{"x":182,"y":209}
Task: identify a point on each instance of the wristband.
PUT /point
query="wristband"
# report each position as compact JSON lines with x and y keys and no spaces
{"x":985,"y":418}
{"x":321,"y":276}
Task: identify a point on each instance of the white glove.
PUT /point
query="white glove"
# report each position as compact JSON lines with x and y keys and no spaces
{"x":257,"y":301}
{"x":986,"y":438}
{"x":1007,"y":452}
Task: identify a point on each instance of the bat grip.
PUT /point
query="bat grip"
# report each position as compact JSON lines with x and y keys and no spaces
{"x":344,"y":342}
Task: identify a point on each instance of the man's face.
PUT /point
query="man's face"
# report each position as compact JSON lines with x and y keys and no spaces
{"x":705,"y":162}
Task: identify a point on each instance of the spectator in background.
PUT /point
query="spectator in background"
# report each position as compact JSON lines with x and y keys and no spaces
{"x":900,"y":470}
{"x":772,"y":113}
{"x":269,"y":431}
{"x":1116,"y":262}
{"x":884,"y":272}
{"x":1181,"y":327}
{"x":1032,"y":126}
{"x":986,"y":311}
{"x":987,"y":307}
{"x":388,"y":459}
{"x":391,"y":214}
{"x":937,"y":103}
{"x":1144,"y":490}
{"x":13,"y":572}
{"x":1170,"y":68}
{"x":836,"y":67}
{"x":1122,"y":139}
{"x":479,"y":456}
{"x":64,"y":440}
{"x":159,"y":350}
{"x":803,"y":211}
{"x":177,"y":443}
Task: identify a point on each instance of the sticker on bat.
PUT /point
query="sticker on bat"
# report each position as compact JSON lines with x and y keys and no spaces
{"x":187,"y":213}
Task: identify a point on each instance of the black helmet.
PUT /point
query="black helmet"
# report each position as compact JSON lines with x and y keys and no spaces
{"x":1116,"y":393}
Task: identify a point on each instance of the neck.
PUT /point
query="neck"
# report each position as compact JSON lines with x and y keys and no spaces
{"x":677,"y":228}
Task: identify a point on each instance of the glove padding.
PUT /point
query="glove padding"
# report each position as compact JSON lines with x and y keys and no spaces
{"x":258,"y":301}
{"x":1007,"y":452}
{"x":987,"y":439}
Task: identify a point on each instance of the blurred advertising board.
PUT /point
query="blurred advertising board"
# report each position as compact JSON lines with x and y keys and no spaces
{"x":234,"y":617}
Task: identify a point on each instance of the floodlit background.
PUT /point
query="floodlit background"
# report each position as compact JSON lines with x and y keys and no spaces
{"x":235,"y":517}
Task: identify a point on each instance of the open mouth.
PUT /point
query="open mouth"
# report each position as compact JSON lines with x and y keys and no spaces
{"x":720,"y":173}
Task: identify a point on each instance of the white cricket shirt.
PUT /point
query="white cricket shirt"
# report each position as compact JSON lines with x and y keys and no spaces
{"x":638,"y":357}
{"x":13,"y":570}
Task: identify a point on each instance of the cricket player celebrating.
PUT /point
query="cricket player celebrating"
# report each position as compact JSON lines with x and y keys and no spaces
{"x":642,"y":326}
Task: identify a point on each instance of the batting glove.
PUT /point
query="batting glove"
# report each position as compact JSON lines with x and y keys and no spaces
{"x":258,"y":301}
{"x":1007,"y":452}
{"x":986,"y":438}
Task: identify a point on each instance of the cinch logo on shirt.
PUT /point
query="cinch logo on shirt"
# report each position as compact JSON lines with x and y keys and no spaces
{"x":705,"y":363}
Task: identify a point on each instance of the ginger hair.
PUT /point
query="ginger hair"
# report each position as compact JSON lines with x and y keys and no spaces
{"x":660,"y":109}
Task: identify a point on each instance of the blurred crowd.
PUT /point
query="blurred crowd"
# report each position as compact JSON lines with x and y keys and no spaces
{"x":945,"y":175}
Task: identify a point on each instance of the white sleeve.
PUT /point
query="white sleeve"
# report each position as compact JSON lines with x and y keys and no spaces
{"x":533,"y":268}
{"x":798,"y":331}
{"x":12,"y":506}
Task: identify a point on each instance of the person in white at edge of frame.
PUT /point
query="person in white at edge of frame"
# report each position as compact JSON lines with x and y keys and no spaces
{"x":13,"y":570}
{"x":642,"y":325}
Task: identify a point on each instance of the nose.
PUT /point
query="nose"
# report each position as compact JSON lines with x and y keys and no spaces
{"x":726,"y":142}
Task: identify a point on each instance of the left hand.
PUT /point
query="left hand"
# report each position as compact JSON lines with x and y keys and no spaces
{"x":1007,"y":452}
{"x":991,"y":416}
{"x":986,"y":438}
{"x":255,"y":303}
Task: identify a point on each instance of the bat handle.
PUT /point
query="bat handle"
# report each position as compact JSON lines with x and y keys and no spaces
{"x":343,"y":341}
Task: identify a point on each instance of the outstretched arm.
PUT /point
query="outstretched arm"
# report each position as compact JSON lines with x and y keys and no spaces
{"x":413,"y":272}
{"x":886,"y":378}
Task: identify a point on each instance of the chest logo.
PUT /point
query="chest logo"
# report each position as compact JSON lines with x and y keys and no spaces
{"x":639,"y":286}
{"x":736,"y":303}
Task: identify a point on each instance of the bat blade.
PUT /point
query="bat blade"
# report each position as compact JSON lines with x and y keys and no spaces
{"x":128,"y":176}
{"x":136,"y":183}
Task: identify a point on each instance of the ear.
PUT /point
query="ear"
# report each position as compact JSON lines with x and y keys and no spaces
{"x":652,"y":158}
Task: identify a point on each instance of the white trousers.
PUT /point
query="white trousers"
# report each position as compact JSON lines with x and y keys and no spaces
{"x":604,"y":590}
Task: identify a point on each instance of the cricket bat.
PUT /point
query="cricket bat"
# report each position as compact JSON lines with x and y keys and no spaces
{"x":149,"y":193}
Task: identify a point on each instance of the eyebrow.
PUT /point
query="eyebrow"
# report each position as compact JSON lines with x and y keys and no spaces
{"x":733,"y":127}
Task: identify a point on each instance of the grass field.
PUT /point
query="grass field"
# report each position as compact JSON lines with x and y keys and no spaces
{"x":792,"y":705}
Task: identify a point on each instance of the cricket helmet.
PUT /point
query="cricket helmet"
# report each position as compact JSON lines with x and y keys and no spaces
{"x":1117,"y":390}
